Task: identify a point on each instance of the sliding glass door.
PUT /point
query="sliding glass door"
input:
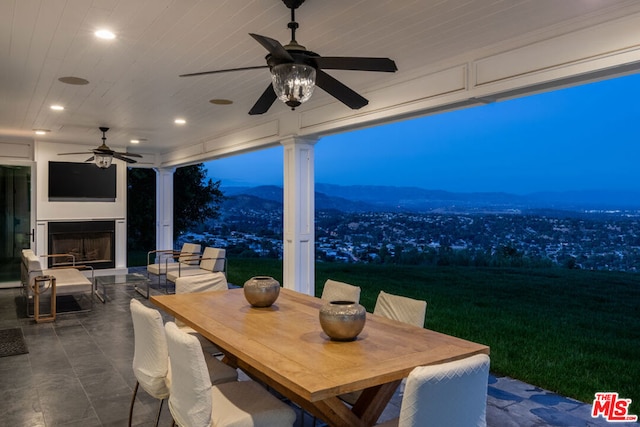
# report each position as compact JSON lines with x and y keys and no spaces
{"x":16,"y":228}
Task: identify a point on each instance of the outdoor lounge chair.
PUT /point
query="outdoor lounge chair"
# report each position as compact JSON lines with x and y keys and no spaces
{"x":213,"y":260}
{"x":161,"y":261}
{"x":69,"y":277}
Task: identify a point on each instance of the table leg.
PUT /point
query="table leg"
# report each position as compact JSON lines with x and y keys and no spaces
{"x":36,"y":299}
{"x":140,"y":291}
{"x":332,"y":410}
{"x":97,"y":293}
{"x":372,"y":401}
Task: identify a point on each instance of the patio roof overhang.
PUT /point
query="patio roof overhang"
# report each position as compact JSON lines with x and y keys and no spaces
{"x":450,"y":54}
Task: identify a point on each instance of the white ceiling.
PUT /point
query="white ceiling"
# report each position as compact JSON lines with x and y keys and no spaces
{"x":134,"y":86}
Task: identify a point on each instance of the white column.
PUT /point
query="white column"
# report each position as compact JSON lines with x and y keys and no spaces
{"x":299,"y":205}
{"x":164,"y":208}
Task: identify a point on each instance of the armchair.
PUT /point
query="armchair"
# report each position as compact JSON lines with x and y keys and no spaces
{"x":213,"y":261}
{"x":159,"y":262}
{"x":69,"y":278}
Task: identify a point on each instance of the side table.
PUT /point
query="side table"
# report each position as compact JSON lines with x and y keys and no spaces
{"x":37,"y":282}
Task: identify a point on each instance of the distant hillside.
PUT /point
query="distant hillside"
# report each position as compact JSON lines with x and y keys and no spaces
{"x":414,"y":198}
{"x":363,"y":198}
{"x":268,"y":192}
{"x":245,"y":197}
{"x":249,"y":201}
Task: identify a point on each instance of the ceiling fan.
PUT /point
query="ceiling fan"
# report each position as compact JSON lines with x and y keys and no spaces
{"x":295,"y":71}
{"x":103,"y":155}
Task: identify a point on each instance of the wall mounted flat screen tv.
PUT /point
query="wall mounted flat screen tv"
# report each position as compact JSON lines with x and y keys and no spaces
{"x":81,"y":182}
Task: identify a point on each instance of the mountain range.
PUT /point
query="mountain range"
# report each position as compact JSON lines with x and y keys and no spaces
{"x":363,"y":198}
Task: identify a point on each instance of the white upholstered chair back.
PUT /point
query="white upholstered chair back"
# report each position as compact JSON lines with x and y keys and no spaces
{"x":339,"y":291}
{"x":213,"y":259}
{"x":190,"y":400}
{"x":452,"y":394}
{"x":402,"y":309}
{"x":188,"y":252}
{"x":150,"y":356}
{"x":194,"y":402}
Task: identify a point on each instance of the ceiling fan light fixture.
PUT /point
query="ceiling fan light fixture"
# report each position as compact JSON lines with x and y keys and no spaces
{"x":293,"y":83}
{"x":103,"y":161}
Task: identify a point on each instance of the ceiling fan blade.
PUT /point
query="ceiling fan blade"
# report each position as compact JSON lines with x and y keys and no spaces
{"x":356,"y":63}
{"x":339,"y":91}
{"x":202,"y":73}
{"x":90,"y":159}
{"x":265,"y":101}
{"x":127,"y":154}
{"x":103,"y":151}
{"x":68,"y":154}
{"x":124,"y":159}
{"x":273,"y":46}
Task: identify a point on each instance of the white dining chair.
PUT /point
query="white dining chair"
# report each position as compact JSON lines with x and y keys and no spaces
{"x":402,"y":309}
{"x":452,"y":394}
{"x":150,"y":355}
{"x":195,"y":402}
{"x":340,"y":291}
{"x":185,"y":285}
{"x":396,"y":307}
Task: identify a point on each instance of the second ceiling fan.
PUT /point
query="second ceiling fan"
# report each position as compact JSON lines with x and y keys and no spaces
{"x":295,"y":71}
{"x":102,"y":156}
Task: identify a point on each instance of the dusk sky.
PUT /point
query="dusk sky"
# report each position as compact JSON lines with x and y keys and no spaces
{"x":580,"y":138}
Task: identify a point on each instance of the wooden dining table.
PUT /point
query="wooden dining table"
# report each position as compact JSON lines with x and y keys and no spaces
{"x":284,"y":347}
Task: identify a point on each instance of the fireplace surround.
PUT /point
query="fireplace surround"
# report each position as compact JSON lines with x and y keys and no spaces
{"x":91,"y":243}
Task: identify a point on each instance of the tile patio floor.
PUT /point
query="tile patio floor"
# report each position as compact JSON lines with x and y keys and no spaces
{"x":78,"y":373}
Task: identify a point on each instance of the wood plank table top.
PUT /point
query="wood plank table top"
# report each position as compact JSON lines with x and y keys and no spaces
{"x":285,"y":347}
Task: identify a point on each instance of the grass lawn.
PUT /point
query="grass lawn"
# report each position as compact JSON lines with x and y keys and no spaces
{"x":569,"y":331}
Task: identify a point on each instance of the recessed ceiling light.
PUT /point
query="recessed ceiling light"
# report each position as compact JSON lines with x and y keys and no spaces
{"x":180,"y":121}
{"x":73,"y":80}
{"x":41,"y":131}
{"x":221,"y":101}
{"x":57,"y":107}
{"x":105,"y":34}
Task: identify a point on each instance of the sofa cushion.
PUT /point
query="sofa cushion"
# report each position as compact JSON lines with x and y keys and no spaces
{"x":69,"y":280}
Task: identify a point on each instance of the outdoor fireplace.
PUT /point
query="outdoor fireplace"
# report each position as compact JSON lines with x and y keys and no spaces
{"x":91,"y":243}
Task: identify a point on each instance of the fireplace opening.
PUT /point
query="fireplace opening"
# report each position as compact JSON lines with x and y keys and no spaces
{"x":91,"y":243}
